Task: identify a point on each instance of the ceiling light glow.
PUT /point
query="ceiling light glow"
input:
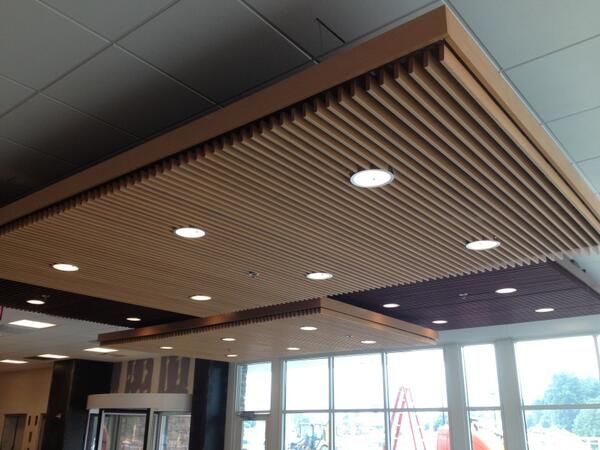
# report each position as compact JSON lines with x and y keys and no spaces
{"x":368,"y":342}
{"x":52,"y":356}
{"x":64,"y":267}
{"x":293,"y":349}
{"x":35,"y":301}
{"x":100,"y":350}
{"x":440,"y":322}
{"x":544,"y":310}
{"x":31,"y":324}
{"x":484,"y":244}
{"x":506,"y":290}
{"x":200,"y":298}
{"x":319,"y":276}
{"x":308,"y":328}
{"x":166,"y":347}
{"x":134,"y":319}
{"x":371,"y":178}
{"x":12,"y":361}
{"x":391,"y":305}
{"x":232,"y":355}
{"x":190,"y":232}
{"x":228,"y":339}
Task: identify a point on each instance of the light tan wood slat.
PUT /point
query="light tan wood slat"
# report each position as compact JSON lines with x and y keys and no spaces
{"x":510,"y":196}
{"x":411,"y":95}
{"x":500,"y":228}
{"x":436,"y":70}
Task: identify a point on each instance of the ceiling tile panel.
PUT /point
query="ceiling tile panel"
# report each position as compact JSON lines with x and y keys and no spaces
{"x":562,"y":83}
{"x":110,"y":18}
{"x":591,"y":169}
{"x":128,"y":93}
{"x":37,"y":45}
{"x":579,"y":134}
{"x":218,"y":47}
{"x":348,"y":19}
{"x":61,"y":132}
{"x":515,"y":31}
{"x":11,"y":94}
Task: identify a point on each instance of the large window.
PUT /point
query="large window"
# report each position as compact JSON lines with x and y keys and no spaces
{"x":560,"y":390}
{"x":483,"y":397}
{"x":254,"y":404}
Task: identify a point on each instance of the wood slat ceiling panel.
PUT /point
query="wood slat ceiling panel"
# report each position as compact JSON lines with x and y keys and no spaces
{"x":275,"y":198}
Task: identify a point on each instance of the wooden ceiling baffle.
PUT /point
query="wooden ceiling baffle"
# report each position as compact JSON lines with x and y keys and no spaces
{"x":268,"y":179}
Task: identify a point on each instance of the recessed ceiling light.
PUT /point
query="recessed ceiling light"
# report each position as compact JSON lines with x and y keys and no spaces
{"x":134,"y":319}
{"x":371,"y":178}
{"x":31,"y":324}
{"x":166,"y":347}
{"x":232,"y":355}
{"x":368,"y":342}
{"x":308,"y":328}
{"x":391,"y":305}
{"x":506,"y":290}
{"x":64,"y":267}
{"x":100,"y":350}
{"x":35,"y":301}
{"x":544,"y":310}
{"x":319,"y":276}
{"x":200,"y":298}
{"x":293,"y":349}
{"x":463,"y":294}
{"x":52,"y":356}
{"x":484,"y":244}
{"x":13,"y":361}
{"x":440,"y":322}
{"x":228,"y":339}
{"x":190,"y":232}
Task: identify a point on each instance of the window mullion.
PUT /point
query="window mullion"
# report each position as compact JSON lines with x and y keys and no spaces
{"x":510,"y":396}
{"x":274,"y":438}
{"x":456,"y":392}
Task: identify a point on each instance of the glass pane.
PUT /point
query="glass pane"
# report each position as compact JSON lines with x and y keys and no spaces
{"x":486,"y":430}
{"x":359,"y":431}
{"x":411,"y":430}
{"x":481,"y":375}
{"x":416,"y":379}
{"x":358,"y":382}
{"x":575,"y":429}
{"x":254,"y":434}
{"x":255,"y":387}
{"x":175,"y":432}
{"x":123,"y":432}
{"x":307,"y":384}
{"x":92,"y":429}
{"x":305,"y":431}
{"x":558,"y":371}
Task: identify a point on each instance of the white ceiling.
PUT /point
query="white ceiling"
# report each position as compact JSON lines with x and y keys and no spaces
{"x":69,"y":337}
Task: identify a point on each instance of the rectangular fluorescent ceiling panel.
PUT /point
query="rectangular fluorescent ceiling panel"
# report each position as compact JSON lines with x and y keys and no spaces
{"x":31,"y":324}
{"x":297,"y":328}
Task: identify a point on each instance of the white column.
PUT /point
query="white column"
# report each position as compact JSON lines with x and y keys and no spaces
{"x":274,"y":423}
{"x":457,"y":398}
{"x":510,"y":396}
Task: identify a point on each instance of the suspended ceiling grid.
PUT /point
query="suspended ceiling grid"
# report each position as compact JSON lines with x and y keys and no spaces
{"x":274,"y":198}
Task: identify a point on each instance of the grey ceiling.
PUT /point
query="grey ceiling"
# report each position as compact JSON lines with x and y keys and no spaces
{"x":83,"y":79}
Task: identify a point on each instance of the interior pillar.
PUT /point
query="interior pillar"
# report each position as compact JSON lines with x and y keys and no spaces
{"x":209,"y":405}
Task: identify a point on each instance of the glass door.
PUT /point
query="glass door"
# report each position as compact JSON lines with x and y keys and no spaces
{"x":122,"y":430}
{"x":254,"y":434}
{"x":12,"y":433}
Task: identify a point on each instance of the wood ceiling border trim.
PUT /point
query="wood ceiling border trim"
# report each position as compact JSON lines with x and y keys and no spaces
{"x":418,"y":33}
{"x":322,"y":306}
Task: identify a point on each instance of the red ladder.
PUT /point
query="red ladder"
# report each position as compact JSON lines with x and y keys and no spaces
{"x":404,"y":400}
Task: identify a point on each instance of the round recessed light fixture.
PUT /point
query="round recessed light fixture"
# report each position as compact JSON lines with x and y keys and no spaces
{"x":35,"y":301}
{"x":506,"y":290}
{"x":228,"y":339}
{"x":544,"y":310}
{"x":319,"y":276}
{"x":368,"y":342}
{"x":440,"y":322}
{"x":484,"y":244}
{"x":190,"y":232}
{"x":134,"y":319}
{"x":166,"y":347}
{"x":308,"y":328}
{"x":391,"y":305}
{"x":232,"y":355}
{"x":200,"y":298}
{"x":64,"y":267}
{"x":371,"y":178}
{"x":463,"y":294}
{"x":293,"y":349}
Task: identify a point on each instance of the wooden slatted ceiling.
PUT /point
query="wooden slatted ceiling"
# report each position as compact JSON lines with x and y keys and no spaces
{"x":275,"y":198}
{"x":266,"y":333}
